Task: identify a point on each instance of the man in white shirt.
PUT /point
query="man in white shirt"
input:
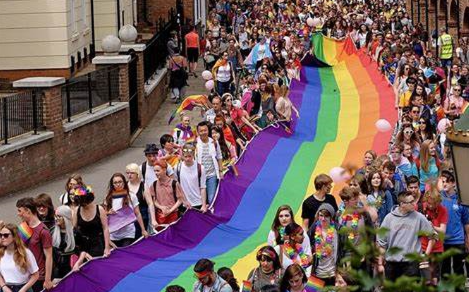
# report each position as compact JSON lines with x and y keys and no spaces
{"x":192,"y":178}
{"x":148,"y":174}
{"x":216,"y":109}
{"x":209,"y":155}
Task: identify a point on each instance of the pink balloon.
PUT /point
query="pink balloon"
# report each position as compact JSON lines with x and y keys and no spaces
{"x":443,"y":124}
{"x":337,"y":174}
{"x":209,"y":85}
{"x":309,"y":21}
{"x":316,"y":22}
{"x":383,"y":125}
{"x":207,"y":75}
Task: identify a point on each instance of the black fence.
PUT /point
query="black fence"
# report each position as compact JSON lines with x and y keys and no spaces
{"x":20,"y":113}
{"x":83,"y":93}
{"x":156,"y":51}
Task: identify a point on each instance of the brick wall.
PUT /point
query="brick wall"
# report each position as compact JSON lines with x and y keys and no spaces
{"x":159,"y":8}
{"x":65,"y":152}
{"x":444,"y":6}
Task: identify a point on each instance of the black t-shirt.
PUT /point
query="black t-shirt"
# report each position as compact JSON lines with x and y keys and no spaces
{"x":311,"y":205}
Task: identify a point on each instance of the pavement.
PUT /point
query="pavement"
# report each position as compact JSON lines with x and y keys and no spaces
{"x":97,"y":175}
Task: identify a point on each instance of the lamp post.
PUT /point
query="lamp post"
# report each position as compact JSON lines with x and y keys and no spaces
{"x":458,"y":138}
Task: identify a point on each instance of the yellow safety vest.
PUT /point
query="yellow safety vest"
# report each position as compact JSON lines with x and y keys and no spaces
{"x":446,"y":46}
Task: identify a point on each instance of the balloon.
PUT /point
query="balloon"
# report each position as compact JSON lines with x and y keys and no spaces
{"x":383,"y":125}
{"x":337,"y":174}
{"x":309,"y":21}
{"x":207,"y":75}
{"x":316,"y":22}
{"x":443,"y":124}
{"x":209,"y":85}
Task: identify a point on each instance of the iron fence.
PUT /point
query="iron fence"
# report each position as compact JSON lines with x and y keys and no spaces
{"x":82,"y":94}
{"x":156,"y":51}
{"x":20,"y":113}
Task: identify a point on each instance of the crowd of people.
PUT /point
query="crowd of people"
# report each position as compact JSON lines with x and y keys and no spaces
{"x":253,"y":50}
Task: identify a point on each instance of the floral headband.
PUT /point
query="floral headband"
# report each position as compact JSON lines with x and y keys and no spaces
{"x":82,"y":191}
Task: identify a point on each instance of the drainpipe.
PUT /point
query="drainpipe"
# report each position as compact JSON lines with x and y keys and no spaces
{"x":93,"y":33}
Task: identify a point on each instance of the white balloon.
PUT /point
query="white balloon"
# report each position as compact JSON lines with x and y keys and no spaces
{"x":383,"y":125}
{"x":209,"y":85}
{"x":309,"y":21}
{"x":207,"y":75}
{"x":337,"y":174}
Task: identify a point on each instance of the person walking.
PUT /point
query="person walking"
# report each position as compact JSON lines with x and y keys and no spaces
{"x":178,"y":79}
{"x":192,"y":50}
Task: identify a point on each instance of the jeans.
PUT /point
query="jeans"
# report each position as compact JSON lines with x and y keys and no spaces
{"x":458,"y":264}
{"x":223,"y":87}
{"x":394,"y":270}
{"x":212,"y":183}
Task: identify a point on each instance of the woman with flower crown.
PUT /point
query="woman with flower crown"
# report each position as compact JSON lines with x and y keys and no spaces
{"x":325,"y":245}
{"x":292,"y":251}
{"x":90,"y":222}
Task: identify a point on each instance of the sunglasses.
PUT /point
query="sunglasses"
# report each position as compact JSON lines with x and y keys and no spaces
{"x":409,"y":132}
{"x":457,"y":90}
{"x":187,"y":150}
{"x":5,"y":235}
{"x":265,"y":259}
{"x":118,"y":182}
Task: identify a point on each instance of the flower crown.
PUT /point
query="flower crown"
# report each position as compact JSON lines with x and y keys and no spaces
{"x":82,"y":191}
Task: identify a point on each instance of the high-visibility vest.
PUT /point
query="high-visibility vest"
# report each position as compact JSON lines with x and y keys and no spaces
{"x":446,"y":46}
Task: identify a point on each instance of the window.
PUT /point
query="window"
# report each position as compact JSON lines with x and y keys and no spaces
{"x":84,"y":14}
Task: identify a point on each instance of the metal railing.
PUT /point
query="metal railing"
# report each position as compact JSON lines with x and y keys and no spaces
{"x":156,"y":51}
{"x":20,"y":113}
{"x":82,"y":94}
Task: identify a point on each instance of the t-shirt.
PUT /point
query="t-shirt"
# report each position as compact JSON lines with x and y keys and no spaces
{"x":189,"y":180}
{"x":207,"y":160}
{"x":311,"y":205}
{"x":11,"y":273}
{"x":40,"y":240}
{"x":191,"y":40}
{"x":440,"y":218}
{"x":129,"y":230}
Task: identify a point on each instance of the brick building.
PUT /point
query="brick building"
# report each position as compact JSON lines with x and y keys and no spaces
{"x":453,"y":14}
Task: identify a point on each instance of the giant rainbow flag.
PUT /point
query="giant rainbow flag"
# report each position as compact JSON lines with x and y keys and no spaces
{"x":338,"y":105}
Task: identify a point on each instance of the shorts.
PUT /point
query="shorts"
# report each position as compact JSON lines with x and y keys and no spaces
{"x":192,"y":55}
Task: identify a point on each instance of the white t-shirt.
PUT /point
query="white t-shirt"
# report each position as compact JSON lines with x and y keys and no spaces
{"x":150,"y":175}
{"x":129,"y":230}
{"x":12,"y":274}
{"x":189,"y":180}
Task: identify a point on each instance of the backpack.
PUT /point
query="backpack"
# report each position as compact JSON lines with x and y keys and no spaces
{"x":144,"y":169}
{"x":178,"y":172}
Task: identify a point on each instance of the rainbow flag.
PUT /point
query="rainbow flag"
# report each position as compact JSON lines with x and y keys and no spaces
{"x":189,"y":103}
{"x":247,"y":286}
{"x":338,"y":104}
{"x":314,"y":284}
{"x":25,"y":231}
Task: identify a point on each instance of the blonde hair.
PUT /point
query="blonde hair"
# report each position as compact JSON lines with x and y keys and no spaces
{"x":133,"y":167}
{"x":66,"y":214}
{"x":425,"y":155}
{"x":20,"y":256}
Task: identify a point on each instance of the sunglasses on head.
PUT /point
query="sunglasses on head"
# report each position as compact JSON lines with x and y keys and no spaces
{"x":187,"y":150}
